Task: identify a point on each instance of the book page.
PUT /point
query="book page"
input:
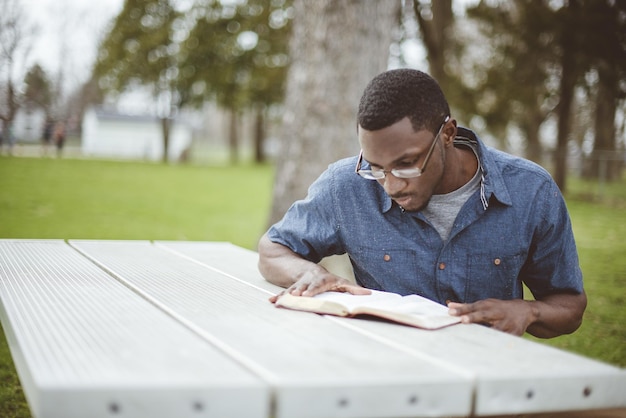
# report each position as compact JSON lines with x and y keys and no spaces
{"x":411,"y":309}
{"x":350,"y":301}
{"x":410,"y":304}
{"x":312,"y":304}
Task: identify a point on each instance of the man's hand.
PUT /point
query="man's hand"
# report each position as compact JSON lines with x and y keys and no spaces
{"x":311,"y":286}
{"x":281,"y":266}
{"x":551,"y":316}
{"x":511,"y":316}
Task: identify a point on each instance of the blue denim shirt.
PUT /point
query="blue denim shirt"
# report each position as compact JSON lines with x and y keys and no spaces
{"x":514,"y":230}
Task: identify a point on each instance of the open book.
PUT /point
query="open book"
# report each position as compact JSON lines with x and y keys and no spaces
{"x":411,"y":310}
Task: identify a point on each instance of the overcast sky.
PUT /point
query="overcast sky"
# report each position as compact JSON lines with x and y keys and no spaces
{"x":69,"y":31}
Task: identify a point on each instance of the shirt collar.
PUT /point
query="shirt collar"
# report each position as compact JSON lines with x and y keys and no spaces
{"x":385,"y":203}
{"x":492,"y":183}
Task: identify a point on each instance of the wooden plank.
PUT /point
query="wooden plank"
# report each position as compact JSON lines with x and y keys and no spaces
{"x":513,"y":375}
{"x":317,"y":368}
{"x":85,"y":345}
{"x":224,"y":257}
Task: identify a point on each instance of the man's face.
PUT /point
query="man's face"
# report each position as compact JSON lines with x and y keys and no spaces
{"x":396,"y":147}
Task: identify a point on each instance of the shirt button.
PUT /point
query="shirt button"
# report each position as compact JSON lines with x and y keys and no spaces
{"x":442,"y":266}
{"x":386,"y":257}
{"x":497,"y":261}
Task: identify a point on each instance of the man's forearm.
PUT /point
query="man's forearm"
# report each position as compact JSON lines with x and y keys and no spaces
{"x":557,"y":315}
{"x":281,"y":266}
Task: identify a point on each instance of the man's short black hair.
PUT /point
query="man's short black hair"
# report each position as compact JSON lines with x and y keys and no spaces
{"x":396,"y":94}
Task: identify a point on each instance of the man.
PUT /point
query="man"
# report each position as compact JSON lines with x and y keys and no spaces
{"x":426,"y":208}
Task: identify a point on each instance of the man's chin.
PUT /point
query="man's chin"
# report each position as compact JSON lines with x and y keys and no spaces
{"x":409,"y":204}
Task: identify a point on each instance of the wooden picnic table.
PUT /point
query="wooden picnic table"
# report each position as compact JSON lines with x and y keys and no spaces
{"x":185,"y":329}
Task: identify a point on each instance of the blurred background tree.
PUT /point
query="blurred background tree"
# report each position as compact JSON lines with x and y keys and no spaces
{"x":513,"y":84}
{"x":539,"y":78}
{"x":236,"y":54}
{"x":16,"y":37}
{"x":547,"y":63}
{"x":38,"y":89}
{"x":436,"y":21}
{"x":140,"y":49}
{"x":604,"y":58}
{"x":516,"y":72}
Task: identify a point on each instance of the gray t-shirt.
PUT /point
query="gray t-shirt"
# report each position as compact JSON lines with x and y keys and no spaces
{"x":443,"y":208}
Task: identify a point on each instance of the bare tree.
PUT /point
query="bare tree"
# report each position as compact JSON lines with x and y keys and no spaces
{"x":435,"y":19}
{"x":606,"y":46}
{"x":15,"y":44}
{"x":336,"y":48}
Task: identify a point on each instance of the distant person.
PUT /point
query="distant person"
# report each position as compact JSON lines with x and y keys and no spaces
{"x":8,"y":137}
{"x":427,"y":208}
{"x":46,"y":137}
{"x":59,"y":137}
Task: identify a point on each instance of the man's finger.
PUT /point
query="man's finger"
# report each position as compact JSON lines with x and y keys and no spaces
{"x":356,"y":290}
{"x":274,"y":298}
{"x":457,"y":309}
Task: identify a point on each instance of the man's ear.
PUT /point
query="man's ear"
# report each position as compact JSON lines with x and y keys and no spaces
{"x":448,"y":133}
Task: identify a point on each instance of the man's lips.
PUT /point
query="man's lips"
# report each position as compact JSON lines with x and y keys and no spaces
{"x":402,"y":200}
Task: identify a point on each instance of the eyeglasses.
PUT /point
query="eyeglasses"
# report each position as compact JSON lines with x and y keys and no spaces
{"x":402,"y":173}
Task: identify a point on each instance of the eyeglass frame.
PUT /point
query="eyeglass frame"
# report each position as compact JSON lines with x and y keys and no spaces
{"x":369,"y":174}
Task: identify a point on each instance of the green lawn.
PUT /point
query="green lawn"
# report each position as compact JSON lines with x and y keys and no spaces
{"x":49,"y":198}
{"x":83,"y":199}
{"x":600,"y":229}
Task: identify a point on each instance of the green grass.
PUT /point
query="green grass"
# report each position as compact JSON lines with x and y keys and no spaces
{"x":12,"y":401}
{"x":81,"y":199}
{"x":599,"y":221}
{"x":602,"y":248}
{"x":85,"y":199}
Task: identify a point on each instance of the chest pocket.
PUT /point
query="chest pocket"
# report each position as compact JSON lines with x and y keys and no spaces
{"x":493,"y":276}
{"x":400,"y":271}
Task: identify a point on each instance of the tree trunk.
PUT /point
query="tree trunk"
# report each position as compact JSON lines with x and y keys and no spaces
{"x":165,"y":129}
{"x":434,"y":21}
{"x":531,"y":127}
{"x":569,"y":45}
{"x":564,"y":113}
{"x":233,"y":137}
{"x":259,"y":134}
{"x":605,"y":164}
{"x":336,"y":48}
{"x":11,"y":106}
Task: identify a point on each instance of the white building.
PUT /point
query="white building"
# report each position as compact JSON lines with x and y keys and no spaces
{"x":112,"y":135}
{"x":28,"y":124}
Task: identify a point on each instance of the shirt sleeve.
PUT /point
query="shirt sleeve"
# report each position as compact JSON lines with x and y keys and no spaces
{"x":310,"y":227}
{"x":553,"y":265}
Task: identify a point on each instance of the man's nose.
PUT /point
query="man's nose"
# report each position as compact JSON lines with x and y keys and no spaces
{"x":392,"y":184}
